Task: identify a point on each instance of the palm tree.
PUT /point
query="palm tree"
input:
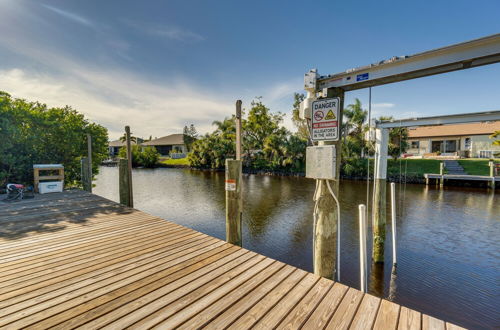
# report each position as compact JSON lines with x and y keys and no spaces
{"x":356,"y":117}
{"x":123,"y":138}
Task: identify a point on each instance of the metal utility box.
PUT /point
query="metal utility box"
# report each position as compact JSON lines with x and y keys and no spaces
{"x":321,"y":162}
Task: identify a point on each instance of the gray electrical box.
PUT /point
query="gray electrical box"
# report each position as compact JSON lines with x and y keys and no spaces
{"x":321,"y":162}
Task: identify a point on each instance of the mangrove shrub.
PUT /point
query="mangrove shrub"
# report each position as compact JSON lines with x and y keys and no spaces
{"x":32,"y":133}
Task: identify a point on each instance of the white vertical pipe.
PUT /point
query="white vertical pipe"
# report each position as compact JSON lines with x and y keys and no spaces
{"x":393,"y":217}
{"x":362,"y":247}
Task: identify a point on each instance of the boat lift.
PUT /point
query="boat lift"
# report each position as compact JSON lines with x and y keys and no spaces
{"x":465,"y":55}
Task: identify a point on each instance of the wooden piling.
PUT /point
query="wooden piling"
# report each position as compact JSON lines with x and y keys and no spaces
{"x":124,"y":182}
{"x":129,"y":167}
{"x":89,"y":160}
{"x":86,"y":174}
{"x":379,"y":215}
{"x":234,"y":203}
{"x":441,"y":172}
{"x":491,"y":183}
{"x":238,"y":130}
{"x":327,"y":221}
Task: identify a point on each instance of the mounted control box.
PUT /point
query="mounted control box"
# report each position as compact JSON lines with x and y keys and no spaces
{"x":321,"y":162}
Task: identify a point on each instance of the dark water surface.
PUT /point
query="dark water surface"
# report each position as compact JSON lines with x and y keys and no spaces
{"x":448,"y":240}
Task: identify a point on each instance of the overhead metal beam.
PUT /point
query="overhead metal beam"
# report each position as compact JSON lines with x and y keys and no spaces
{"x":472,"y":117}
{"x":460,"y":56}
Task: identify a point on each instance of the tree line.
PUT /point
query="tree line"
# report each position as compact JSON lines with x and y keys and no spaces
{"x":32,"y":133}
{"x":268,"y":146}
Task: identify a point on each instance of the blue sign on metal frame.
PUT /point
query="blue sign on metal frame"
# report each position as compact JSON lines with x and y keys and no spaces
{"x":362,"y":76}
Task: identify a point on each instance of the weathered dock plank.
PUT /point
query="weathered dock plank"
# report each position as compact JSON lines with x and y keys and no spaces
{"x":76,"y":260}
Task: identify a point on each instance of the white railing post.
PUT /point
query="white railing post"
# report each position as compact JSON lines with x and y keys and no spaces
{"x":393,"y":217}
{"x":362,"y":247}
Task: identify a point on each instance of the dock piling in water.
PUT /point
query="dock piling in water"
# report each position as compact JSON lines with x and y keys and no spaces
{"x":491,"y":183}
{"x":124,"y":182}
{"x":380,"y":194}
{"x":129,"y":167}
{"x":86,"y":174}
{"x":89,"y":161}
{"x":234,"y":203}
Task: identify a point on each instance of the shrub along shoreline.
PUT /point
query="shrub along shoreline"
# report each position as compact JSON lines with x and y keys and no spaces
{"x":398,"y":170}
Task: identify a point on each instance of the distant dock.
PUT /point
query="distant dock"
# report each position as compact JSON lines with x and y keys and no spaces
{"x":442,"y":178}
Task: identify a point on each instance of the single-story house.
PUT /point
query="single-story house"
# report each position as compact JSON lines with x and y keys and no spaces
{"x":166,"y":144}
{"x":114,"y":147}
{"x":463,"y":140}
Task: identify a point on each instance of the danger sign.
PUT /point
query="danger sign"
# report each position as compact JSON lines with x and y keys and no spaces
{"x":324,"y":120}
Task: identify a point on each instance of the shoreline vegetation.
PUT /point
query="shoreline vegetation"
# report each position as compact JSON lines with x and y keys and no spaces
{"x":404,"y":170}
{"x":33,"y":133}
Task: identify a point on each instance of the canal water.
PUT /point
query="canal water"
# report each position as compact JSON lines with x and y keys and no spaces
{"x":448,"y":240}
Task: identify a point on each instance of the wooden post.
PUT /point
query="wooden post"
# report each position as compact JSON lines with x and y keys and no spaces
{"x":89,"y":161}
{"x":86,"y":178}
{"x":326,"y":234}
{"x":362,"y":248}
{"x":36,"y":179}
{"x":234,"y":203}
{"x":129,"y":167}
{"x":380,"y":195}
{"x":238,"y":130}
{"x":123,"y":182}
{"x":441,"y":172}
{"x":491,"y":184}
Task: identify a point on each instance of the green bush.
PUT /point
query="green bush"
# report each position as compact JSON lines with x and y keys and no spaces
{"x":147,"y":156}
{"x":355,"y":167}
{"x":31,"y":133}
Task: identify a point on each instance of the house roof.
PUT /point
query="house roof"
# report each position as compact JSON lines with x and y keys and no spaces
{"x":166,"y":140}
{"x":485,"y":128}
{"x":118,"y":143}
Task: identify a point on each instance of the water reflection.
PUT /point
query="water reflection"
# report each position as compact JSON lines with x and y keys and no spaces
{"x":448,"y":246}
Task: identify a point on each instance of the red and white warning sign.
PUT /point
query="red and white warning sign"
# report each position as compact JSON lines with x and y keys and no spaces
{"x":230,"y":185}
{"x":325,"y":114}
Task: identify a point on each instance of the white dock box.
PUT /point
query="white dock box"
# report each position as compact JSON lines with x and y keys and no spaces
{"x":50,"y":187}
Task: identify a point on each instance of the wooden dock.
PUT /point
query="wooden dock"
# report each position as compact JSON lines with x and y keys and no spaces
{"x":74,"y":259}
{"x":460,"y":177}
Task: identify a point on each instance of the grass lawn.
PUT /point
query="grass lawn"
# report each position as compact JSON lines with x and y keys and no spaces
{"x":476,"y":166}
{"x":180,"y":161}
{"x":412,"y":166}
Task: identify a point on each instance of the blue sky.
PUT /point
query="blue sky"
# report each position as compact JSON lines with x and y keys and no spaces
{"x":158,"y":65}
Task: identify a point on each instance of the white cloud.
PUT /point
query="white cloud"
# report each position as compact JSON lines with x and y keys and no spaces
{"x":383,"y":105}
{"x":113,"y":96}
{"x":69,"y":15}
{"x":279,"y":97}
{"x":166,"y":31}
{"x":115,"y":100}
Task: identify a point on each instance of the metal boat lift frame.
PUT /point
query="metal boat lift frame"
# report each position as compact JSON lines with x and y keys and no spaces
{"x":465,"y":55}
{"x":456,"y":57}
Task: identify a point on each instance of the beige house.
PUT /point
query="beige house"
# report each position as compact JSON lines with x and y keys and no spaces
{"x":167,"y":144}
{"x":462,"y":140}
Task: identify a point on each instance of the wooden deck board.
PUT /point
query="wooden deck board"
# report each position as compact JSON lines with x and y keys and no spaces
{"x":74,"y":259}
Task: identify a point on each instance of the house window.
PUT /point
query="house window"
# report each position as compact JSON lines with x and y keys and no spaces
{"x":415,"y":144}
{"x":437,"y":146}
{"x":451,"y":146}
{"x":467,"y":144}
